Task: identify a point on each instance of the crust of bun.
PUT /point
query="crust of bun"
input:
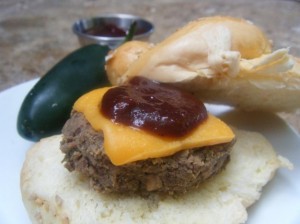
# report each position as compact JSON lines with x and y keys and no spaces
{"x":246,"y":38}
{"x":53,"y":195}
{"x":118,"y":61}
{"x":222,"y":60}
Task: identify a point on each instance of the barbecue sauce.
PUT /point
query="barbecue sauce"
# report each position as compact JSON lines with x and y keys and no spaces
{"x":154,"y":107}
{"x":109,"y":30}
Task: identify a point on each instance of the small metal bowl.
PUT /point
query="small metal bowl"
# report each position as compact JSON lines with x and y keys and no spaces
{"x":143,"y":31}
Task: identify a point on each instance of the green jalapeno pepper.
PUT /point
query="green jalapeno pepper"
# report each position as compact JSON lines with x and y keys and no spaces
{"x":47,"y":106}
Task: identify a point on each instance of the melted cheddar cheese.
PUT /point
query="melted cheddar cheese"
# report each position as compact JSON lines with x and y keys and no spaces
{"x":124,"y":144}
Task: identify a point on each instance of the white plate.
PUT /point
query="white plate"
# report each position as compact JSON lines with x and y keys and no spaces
{"x":280,"y":201}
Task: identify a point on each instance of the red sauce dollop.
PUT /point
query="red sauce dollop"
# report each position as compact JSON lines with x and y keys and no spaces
{"x":154,"y":107}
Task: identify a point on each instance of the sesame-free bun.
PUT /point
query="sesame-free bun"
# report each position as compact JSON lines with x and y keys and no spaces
{"x":246,"y":38}
{"x":222,"y":60}
{"x":127,"y":54}
{"x":53,"y":195}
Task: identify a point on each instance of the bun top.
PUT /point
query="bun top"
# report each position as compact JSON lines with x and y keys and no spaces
{"x":205,"y":47}
{"x":246,"y":38}
{"x":119,"y":60}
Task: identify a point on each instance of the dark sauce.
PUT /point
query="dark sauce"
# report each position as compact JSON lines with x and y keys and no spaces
{"x":154,"y":107}
{"x":108,"y":30}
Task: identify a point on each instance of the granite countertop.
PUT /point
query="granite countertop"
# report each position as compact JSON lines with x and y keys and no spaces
{"x":35,"y":34}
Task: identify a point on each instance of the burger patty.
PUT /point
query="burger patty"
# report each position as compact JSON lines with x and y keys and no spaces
{"x":178,"y":173}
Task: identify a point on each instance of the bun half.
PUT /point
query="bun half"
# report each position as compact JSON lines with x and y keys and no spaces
{"x":222,"y":60}
{"x":53,"y":195}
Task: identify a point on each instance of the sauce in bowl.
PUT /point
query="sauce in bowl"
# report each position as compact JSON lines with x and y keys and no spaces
{"x":108,"y":30}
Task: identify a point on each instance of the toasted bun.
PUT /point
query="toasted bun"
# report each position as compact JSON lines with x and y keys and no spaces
{"x":222,"y":60}
{"x":246,"y":38}
{"x":53,"y":195}
{"x":118,"y":61}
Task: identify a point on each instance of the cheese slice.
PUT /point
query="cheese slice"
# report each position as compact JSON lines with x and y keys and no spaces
{"x":125,"y":144}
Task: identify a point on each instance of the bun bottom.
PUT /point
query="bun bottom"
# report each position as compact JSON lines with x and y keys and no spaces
{"x":51,"y":194}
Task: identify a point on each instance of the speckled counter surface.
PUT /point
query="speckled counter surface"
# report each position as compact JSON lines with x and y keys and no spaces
{"x":35,"y":34}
